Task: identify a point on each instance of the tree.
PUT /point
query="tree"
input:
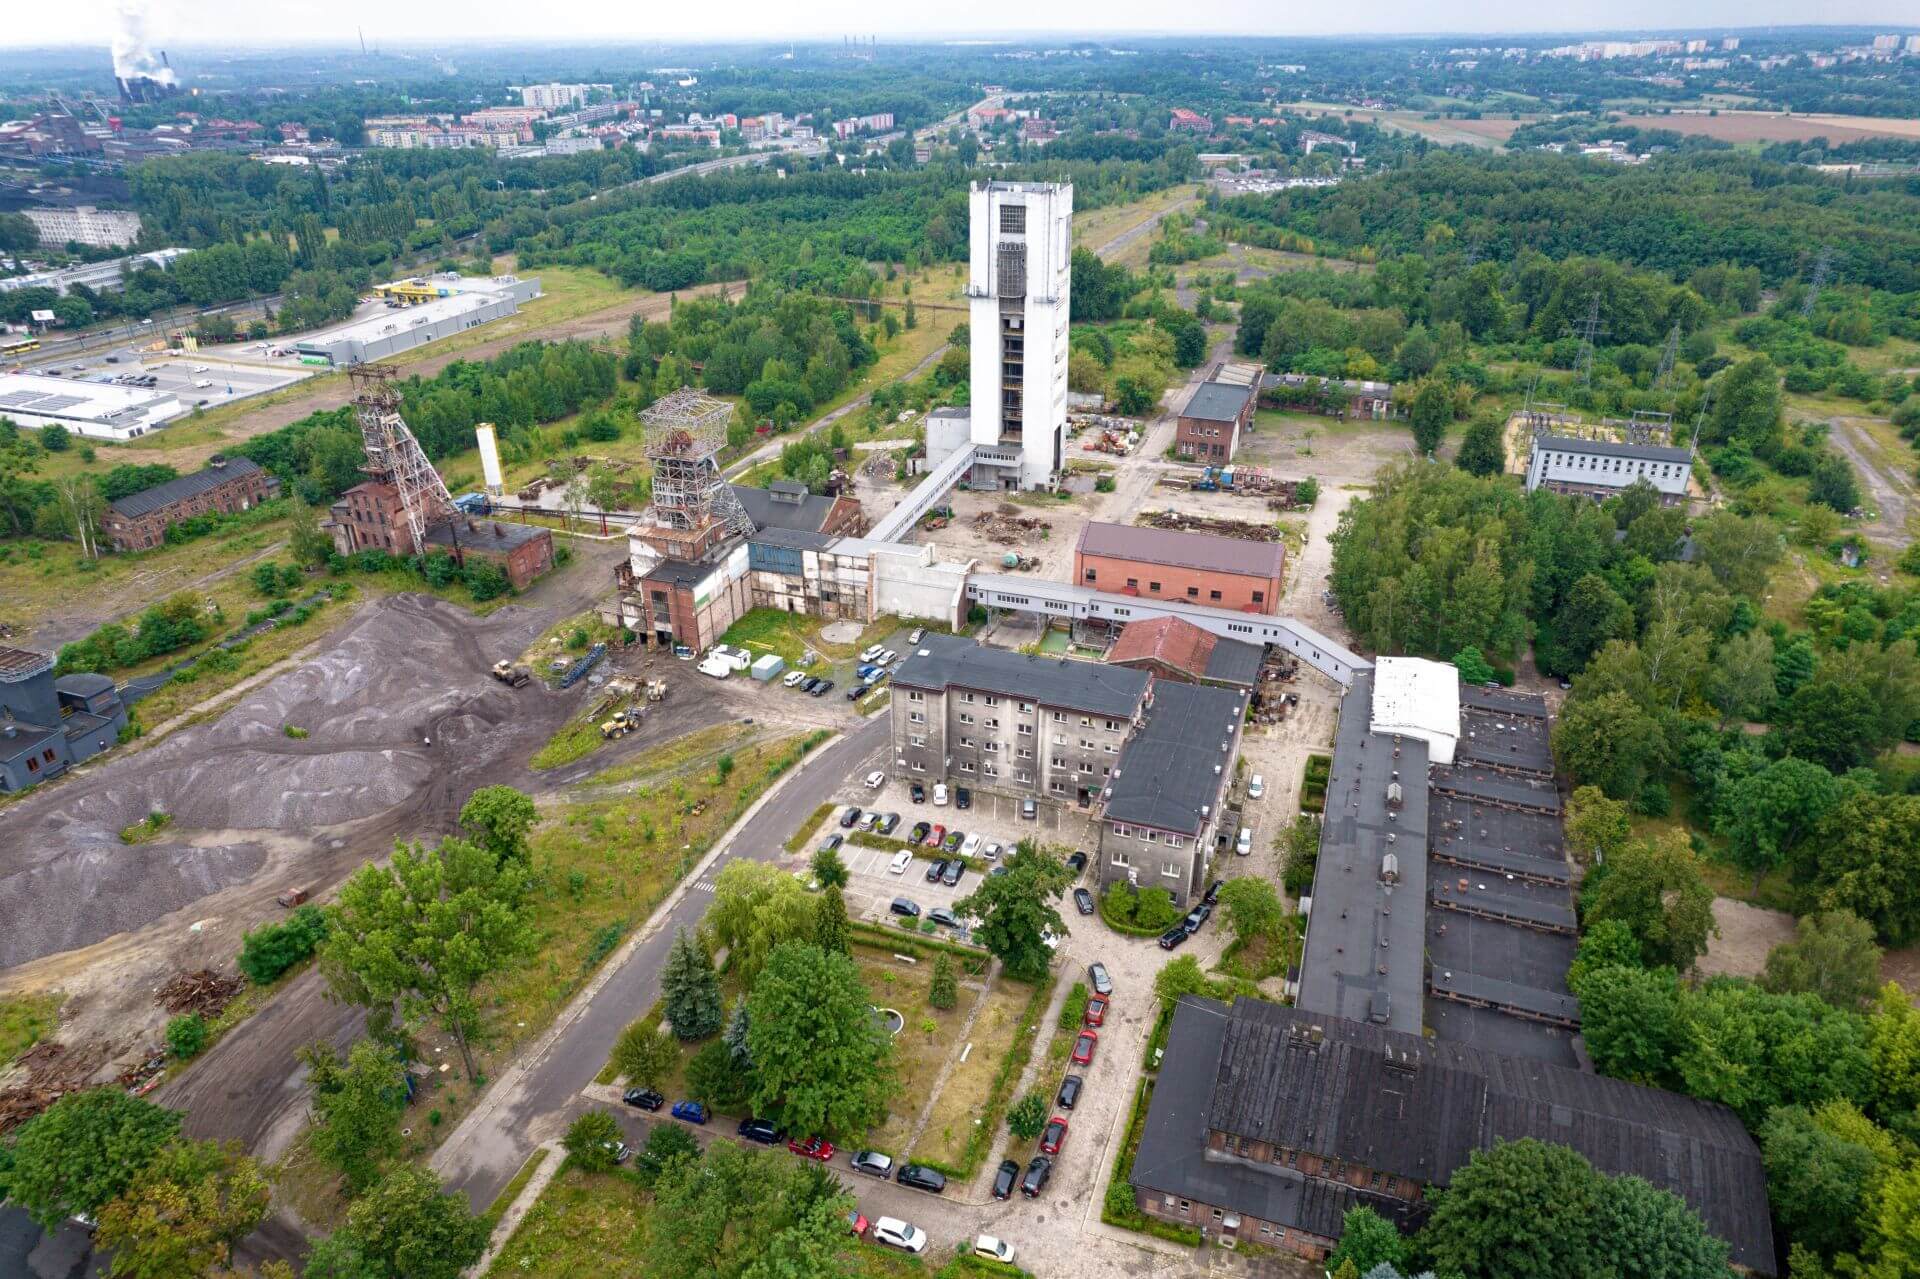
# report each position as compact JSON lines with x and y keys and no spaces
{"x":943,"y":990}
{"x":1472,"y":665}
{"x":1835,"y":717}
{"x":1367,"y":1240}
{"x":1189,"y":342}
{"x":357,"y":1103}
{"x":1592,"y":614}
{"x":591,"y":1140}
{"x":1865,"y":857}
{"x":1596,"y":827}
{"x":1746,"y":405}
{"x":184,"y":1212}
{"x":756,"y":906}
{"x":1641,"y":1229}
{"x":498,"y":818}
{"x":55,"y":438}
{"x":747,"y":1214}
{"x":306,"y":541}
{"x":1016,"y":910}
{"x":714,"y":1076}
{"x":1483,"y":451}
{"x":1631,"y":1019}
{"x":821,"y":1063}
{"x":186,"y":1036}
{"x":1654,"y":887}
{"x":1832,"y":956}
{"x":1184,"y":976}
{"x":643,"y":1056}
{"x":1028,"y":1116}
{"x":1252,"y":907}
{"x":422,"y":933}
{"x":1818,"y":1182}
{"x":666,"y":1143}
{"x":83,"y":1150}
{"x":1753,"y":1051}
{"x":1739,"y":549}
{"x":1765,"y":814}
{"x":1893,"y":1044}
{"x":689,"y":988}
{"x":1608,"y":741}
{"x":828,"y":870}
{"x":404,"y":1227}
{"x":1740,"y":682}
{"x":1432,"y":410}
{"x":830,"y":921}
{"x":1608,"y":943}
{"x":1522,"y":1210}
{"x":1831,"y":483}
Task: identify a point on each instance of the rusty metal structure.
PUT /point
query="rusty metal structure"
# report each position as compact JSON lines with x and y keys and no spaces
{"x":394,"y":456}
{"x":684,"y":433}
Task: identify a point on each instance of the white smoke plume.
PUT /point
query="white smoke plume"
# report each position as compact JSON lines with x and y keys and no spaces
{"x":132,"y":54}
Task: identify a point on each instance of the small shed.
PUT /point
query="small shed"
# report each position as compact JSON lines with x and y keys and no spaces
{"x":769,"y":666}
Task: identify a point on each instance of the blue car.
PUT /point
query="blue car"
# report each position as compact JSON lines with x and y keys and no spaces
{"x":694,"y":1112}
{"x":868,"y":671}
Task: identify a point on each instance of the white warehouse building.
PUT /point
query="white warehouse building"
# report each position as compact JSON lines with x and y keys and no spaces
{"x":462,"y":303}
{"x":97,"y":410}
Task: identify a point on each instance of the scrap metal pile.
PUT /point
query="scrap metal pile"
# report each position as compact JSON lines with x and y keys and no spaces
{"x":1245,"y":530}
{"x":1007,"y":526}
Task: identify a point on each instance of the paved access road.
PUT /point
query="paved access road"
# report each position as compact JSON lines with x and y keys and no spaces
{"x":539,"y":1095}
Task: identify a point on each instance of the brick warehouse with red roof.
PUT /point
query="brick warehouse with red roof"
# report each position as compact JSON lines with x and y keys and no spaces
{"x":1194,"y":568}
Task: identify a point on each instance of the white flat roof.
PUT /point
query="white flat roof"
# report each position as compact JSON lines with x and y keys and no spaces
{"x":39,"y":395}
{"x":1415,"y":697}
{"x":399,"y":320}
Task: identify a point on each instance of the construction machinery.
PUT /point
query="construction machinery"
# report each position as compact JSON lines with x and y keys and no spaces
{"x":510,"y":674}
{"x":656,"y":690}
{"x":622,"y":722}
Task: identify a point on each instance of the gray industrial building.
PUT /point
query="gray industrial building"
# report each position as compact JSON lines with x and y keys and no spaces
{"x":48,"y":725}
{"x":463,"y":303}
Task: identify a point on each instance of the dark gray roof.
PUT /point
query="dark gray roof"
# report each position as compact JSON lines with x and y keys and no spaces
{"x":1173,"y":1157}
{"x":85,"y":684}
{"x":1174,"y":765}
{"x":798,"y":539}
{"x":1217,"y":401}
{"x":1183,"y":550}
{"x":1404,"y":1104}
{"x":769,"y":510}
{"x":1503,"y":700}
{"x":671,"y":571}
{"x":1500,"y":740}
{"x":1608,"y":448}
{"x":485,"y":535}
{"x":1234,"y":662}
{"x":951,"y":661}
{"x":1476,"y":781}
{"x":26,"y":737}
{"x":147,"y":501}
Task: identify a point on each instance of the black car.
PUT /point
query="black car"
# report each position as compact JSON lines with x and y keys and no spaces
{"x":645,"y":1098}
{"x":935,"y":871}
{"x":1213,"y":891}
{"x":1006,"y":1179}
{"x":849,"y":819}
{"x":1069,"y":1092}
{"x":944,"y":917}
{"x":950,"y":874}
{"x":826,"y":686}
{"x":917,"y":793}
{"x":1036,"y":1179}
{"x":887,"y":822}
{"x":905,"y":906}
{"x":760,"y":1130}
{"x":1076,"y":862}
{"x":1098,"y":979}
{"x":962,"y":797}
{"x":832,"y":842}
{"x":857,"y":692}
{"x":1196,"y":917}
{"x":1174,"y":937}
{"x":1083,"y":900}
{"x":919,"y":832}
{"x":812,"y":683}
{"x":921,"y":1178}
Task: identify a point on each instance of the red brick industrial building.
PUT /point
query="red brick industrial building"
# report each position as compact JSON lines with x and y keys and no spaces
{"x":1165,"y":564}
{"x":1208,"y":429}
{"x":139,"y":521}
{"x":368,"y":517}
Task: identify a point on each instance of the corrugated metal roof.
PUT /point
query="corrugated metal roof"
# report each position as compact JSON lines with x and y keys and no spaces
{"x":22,"y":661}
{"x":1608,"y":448}
{"x":1204,"y":551}
{"x":949,"y":661}
{"x":160,"y":496}
{"x":1217,"y":401}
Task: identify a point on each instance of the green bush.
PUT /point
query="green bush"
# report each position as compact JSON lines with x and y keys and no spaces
{"x":591,"y":1141}
{"x":1155,"y":909}
{"x":186,"y":1036}
{"x":1075,"y":1008}
{"x":1028,"y":1116}
{"x":1118,"y":907}
{"x":271,"y":949}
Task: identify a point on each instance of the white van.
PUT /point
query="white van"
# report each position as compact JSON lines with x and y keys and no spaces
{"x":716,"y":666}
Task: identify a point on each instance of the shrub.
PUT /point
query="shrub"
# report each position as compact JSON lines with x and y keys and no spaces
{"x":591,"y":1141}
{"x":186,"y":1036}
{"x":271,"y":949}
{"x":1075,"y":1007}
{"x":1155,"y":909}
{"x":1028,"y":1116}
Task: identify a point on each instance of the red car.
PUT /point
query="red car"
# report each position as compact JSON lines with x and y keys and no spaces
{"x":1083,"y":1048}
{"x":857,"y":1222}
{"x":935,"y":835}
{"x":813,"y":1148}
{"x":1096,"y":1011}
{"x":1054,"y":1136}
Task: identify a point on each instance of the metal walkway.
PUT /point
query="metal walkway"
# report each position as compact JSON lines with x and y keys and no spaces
{"x":895,"y":524}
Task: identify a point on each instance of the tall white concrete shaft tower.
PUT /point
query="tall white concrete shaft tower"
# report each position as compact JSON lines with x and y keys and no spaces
{"x":1020,"y":283}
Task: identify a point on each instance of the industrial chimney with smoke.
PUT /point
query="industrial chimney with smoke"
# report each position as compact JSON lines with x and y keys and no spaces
{"x":142,"y":75}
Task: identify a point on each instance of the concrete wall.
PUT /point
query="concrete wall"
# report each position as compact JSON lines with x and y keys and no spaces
{"x":909,"y":582}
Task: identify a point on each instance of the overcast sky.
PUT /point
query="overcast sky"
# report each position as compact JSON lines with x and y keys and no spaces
{"x":199,"y":23}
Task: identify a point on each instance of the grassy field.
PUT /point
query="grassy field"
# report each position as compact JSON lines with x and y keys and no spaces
{"x":1095,"y":227}
{"x":24,"y":1020}
{"x":950,"y":1123}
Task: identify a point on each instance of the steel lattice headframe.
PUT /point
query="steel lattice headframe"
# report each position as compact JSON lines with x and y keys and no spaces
{"x":393,"y":455}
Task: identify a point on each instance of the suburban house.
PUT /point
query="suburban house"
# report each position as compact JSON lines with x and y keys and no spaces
{"x":1168,"y":564}
{"x":1208,"y":428}
{"x":139,"y":521}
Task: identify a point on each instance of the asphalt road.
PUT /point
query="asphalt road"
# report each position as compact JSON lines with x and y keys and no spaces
{"x":537,"y":1097}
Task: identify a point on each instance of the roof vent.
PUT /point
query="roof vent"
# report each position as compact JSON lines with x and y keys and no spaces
{"x":1390,"y":869}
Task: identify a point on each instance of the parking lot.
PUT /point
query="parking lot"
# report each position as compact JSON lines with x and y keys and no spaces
{"x":181,"y":376}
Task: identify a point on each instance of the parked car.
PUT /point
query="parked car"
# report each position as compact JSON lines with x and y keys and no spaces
{"x":644,"y":1098}
{"x":998,"y":1249}
{"x":936,"y":870}
{"x":1196,"y":917}
{"x":1028,"y":811}
{"x":1244,"y":844}
{"x":871,"y":652}
{"x":714,"y":666}
{"x":1036,"y":1179}
{"x":954,"y":839}
{"x":998,"y":870}
{"x":811,"y":683}
{"x":1083,"y":1047}
{"x":896,"y":1233}
{"x":872,"y":820}
{"x":826,"y":686}
{"x":850,"y":818}
{"x":914,"y":635}
{"x":620,"y":1151}
{"x":867,"y":671}
{"x":1069,"y":1095}
{"x":944,"y":917}
{"x":876,"y":779}
{"x":918,"y":834}
{"x":1076,"y":861}
{"x":1098,"y":979}
{"x":1083,"y":901}
{"x":1174,"y":937}
{"x":1053,"y":1136}
{"x":795,"y":679}
{"x":905,"y":906}
{"x":951,"y":875}
{"x":812,"y":1148}
{"x":1257,"y":787}
{"x":962,"y":797}
{"x":935,"y":836}
{"x":939,"y":794}
{"x":832,"y":841}
{"x":901,"y":860}
{"x":873,"y":1163}
{"x":857,"y":1223}
{"x":921,"y":1178}
{"x":971,"y":848}
{"x":990,"y":850}
{"x":1213,"y":891}
{"x":1006,"y":1179}
{"x":858,"y":691}
{"x":1096,"y":1010}
{"x":917,"y":793}
{"x":887,"y":822}
{"x":760,"y":1130}
{"x":694,"y":1112}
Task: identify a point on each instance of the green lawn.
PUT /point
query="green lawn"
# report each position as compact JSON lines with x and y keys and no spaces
{"x":24,"y":1020}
